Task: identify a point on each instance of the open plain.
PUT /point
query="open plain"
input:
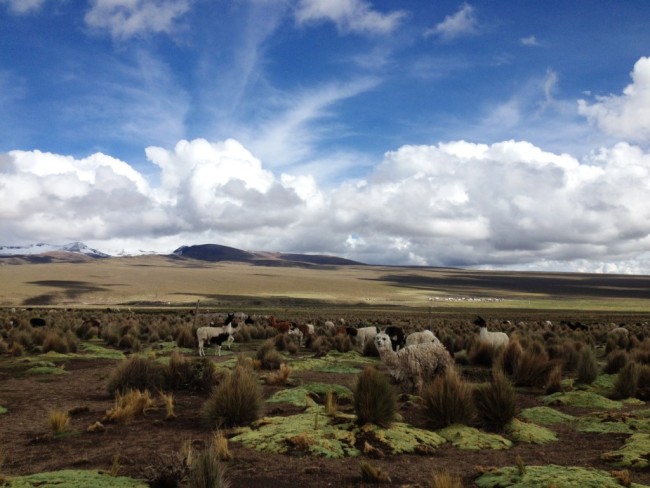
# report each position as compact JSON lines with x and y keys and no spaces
{"x":144,"y":307}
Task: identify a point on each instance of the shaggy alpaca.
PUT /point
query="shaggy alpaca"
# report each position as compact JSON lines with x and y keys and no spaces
{"x":413,"y":364}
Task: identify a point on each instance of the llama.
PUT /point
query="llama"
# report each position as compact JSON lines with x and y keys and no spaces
{"x":494,"y":339}
{"x":421,"y":338}
{"x":362,"y":335}
{"x":397,"y":337}
{"x":217,"y":335}
{"x":306,"y":331}
{"x":413,"y":364}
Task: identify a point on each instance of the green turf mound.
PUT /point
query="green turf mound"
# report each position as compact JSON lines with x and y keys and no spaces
{"x":527,"y":432}
{"x":2,"y":410}
{"x":400,"y":438}
{"x":635,"y":453}
{"x":471,"y":439}
{"x":97,"y":351}
{"x":296,"y":396}
{"x":69,"y":478}
{"x":546,"y":415}
{"x":551,"y":475}
{"x":311,"y":432}
{"x":583,"y":399}
{"x":613,"y":422}
{"x":334,"y":362}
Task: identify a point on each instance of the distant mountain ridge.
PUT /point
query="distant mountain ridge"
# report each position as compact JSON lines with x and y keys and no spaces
{"x":217,"y":252}
{"x":80,"y":252}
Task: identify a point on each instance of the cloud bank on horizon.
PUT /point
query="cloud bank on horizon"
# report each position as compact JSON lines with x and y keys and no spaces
{"x":455,"y":134}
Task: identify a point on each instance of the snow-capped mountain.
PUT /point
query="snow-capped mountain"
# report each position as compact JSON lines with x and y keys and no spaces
{"x":42,"y":248}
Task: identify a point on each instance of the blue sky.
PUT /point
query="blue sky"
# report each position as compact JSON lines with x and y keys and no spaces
{"x":480,"y":134}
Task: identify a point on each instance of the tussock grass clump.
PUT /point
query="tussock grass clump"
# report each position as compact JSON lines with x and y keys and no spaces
{"x":587,"y":366}
{"x":59,"y":421}
{"x":554,"y":383}
{"x":370,"y":349}
{"x":375,"y":399}
{"x":373,"y":474}
{"x":331,"y":403}
{"x":342,"y":343}
{"x":168,"y":400}
{"x":220,"y":446}
{"x":280,"y":377}
{"x":495,"y":402}
{"x":128,"y":405}
{"x":236,"y":401}
{"x":483,"y":354}
{"x":321,"y":345}
{"x":186,"y":337}
{"x":268,"y":355}
{"x":207,"y":471}
{"x":625,"y":384}
{"x":643,"y":383}
{"x":54,"y":342}
{"x":616,"y":360}
{"x":511,"y":355}
{"x":570,"y":355}
{"x":448,"y":400}
{"x":136,"y":373}
{"x":533,"y":369}
{"x":443,"y":479}
{"x":195,"y":374}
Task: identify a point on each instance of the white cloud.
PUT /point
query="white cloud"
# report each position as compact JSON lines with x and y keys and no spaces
{"x":22,"y":7}
{"x":529,"y":41}
{"x":128,"y":18}
{"x":628,"y":115}
{"x":461,"y":24}
{"x":508,"y":204}
{"x":355,"y":16}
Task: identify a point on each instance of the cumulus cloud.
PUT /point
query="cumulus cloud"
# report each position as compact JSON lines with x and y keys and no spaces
{"x":508,"y":204}
{"x":628,"y":115}
{"x":355,"y":16}
{"x":461,"y":24}
{"x":128,"y":18}
{"x":22,"y":7}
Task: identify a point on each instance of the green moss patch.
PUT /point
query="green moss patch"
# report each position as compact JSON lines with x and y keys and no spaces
{"x":2,"y":410}
{"x":73,"y":479}
{"x":527,"y":432}
{"x":613,"y":422}
{"x":581,"y":398}
{"x":46,"y":370}
{"x":546,"y":415}
{"x":334,"y":362}
{"x":471,"y":439}
{"x":400,"y":438}
{"x":551,"y":475}
{"x":311,"y":432}
{"x":97,"y":351}
{"x":635,"y":453}
{"x":297,"y":396}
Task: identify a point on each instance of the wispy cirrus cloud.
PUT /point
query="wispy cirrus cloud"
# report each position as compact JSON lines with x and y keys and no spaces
{"x":463,"y":23}
{"x":21,"y":7}
{"x":350,"y":16}
{"x":124,"y":19}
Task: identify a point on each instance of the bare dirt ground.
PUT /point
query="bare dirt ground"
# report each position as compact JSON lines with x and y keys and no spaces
{"x":143,"y":445}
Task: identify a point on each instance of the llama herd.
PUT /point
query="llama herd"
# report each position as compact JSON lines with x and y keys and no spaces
{"x":410,"y":359}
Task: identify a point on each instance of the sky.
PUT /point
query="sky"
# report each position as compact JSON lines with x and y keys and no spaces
{"x":484,"y":134}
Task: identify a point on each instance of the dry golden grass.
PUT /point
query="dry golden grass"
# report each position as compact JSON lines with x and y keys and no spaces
{"x":168,"y":400}
{"x":128,"y":405}
{"x":220,"y":446}
{"x":58,"y":420}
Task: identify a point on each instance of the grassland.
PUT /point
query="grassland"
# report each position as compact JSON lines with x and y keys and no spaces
{"x":160,"y":281}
